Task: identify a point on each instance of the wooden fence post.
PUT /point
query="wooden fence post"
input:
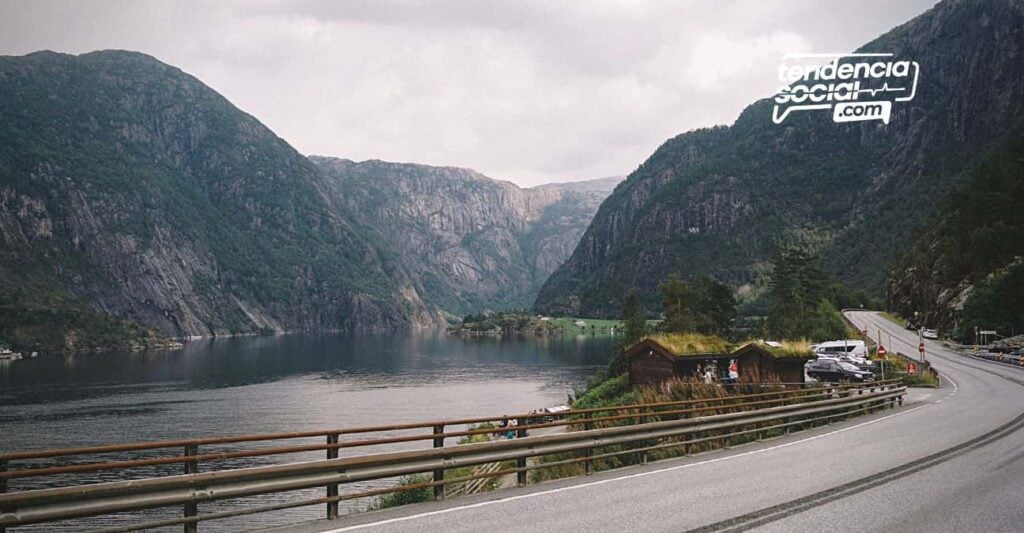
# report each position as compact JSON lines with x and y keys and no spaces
{"x":3,"y":486}
{"x":588,"y":465}
{"x":332,"y":490}
{"x":439,"y":473}
{"x":191,"y":467}
{"x":521,"y":462}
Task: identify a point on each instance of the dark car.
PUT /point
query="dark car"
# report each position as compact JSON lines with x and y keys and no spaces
{"x":835,"y":371}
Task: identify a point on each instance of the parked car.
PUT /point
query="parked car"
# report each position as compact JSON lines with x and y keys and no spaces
{"x":863,"y":364}
{"x":929,"y":334}
{"x":852,"y":348}
{"x":837,"y":371}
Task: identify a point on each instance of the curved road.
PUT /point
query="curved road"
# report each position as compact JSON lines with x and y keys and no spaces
{"x":950,"y":459}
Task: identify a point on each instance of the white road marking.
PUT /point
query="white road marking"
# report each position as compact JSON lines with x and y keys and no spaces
{"x":619,"y":478}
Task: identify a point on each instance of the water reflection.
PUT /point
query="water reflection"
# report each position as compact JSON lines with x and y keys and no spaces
{"x":401,"y":374}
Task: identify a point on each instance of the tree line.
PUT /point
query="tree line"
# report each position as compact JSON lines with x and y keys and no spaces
{"x":803,"y":303}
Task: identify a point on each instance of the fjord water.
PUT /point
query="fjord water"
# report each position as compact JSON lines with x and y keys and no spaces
{"x":248,"y":385}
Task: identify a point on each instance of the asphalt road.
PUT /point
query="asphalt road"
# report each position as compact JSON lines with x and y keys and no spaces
{"x":950,"y":459}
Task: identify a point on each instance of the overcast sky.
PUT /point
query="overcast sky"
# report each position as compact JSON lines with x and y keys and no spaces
{"x":530,"y":92}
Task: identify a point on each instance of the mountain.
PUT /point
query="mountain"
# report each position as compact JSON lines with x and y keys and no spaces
{"x":966,"y":268}
{"x":471,"y":243}
{"x":718,"y":201}
{"x":131,"y":191}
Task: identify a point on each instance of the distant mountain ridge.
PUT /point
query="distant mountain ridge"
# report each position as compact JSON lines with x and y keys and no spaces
{"x":718,"y":201}
{"x":473,"y":243}
{"x":131,"y":193}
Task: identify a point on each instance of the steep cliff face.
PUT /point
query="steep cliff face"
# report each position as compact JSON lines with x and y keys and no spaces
{"x":471,"y":243}
{"x":718,"y":201}
{"x":131,"y":186}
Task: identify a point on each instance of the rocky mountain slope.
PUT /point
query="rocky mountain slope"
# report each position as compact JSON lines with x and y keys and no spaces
{"x":471,"y":242}
{"x":966,"y":268}
{"x":718,"y":201}
{"x":130,"y":188}
{"x":132,"y":194}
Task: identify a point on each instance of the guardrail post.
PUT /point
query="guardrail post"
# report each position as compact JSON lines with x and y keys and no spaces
{"x":521,"y":462}
{"x":439,"y":473}
{"x":332,"y":490}
{"x":191,"y":467}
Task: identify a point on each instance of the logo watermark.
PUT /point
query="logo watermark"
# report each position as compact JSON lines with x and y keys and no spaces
{"x":855,"y":87}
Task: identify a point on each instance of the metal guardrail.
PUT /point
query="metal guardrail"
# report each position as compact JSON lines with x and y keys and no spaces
{"x":645,"y":427}
{"x":1007,"y":358}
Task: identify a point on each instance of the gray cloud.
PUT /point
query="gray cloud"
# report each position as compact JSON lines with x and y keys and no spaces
{"x":530,"y":91}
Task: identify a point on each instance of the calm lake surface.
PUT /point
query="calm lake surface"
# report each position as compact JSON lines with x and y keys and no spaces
{"x":276,"y":384}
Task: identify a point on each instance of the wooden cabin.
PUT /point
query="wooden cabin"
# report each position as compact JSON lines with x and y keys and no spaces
{"x":758,"y":362}
{"x":651,"y":362}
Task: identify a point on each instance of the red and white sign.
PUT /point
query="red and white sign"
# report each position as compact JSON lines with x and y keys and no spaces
{"x":920,"y":347}
{"x":881,"y":351}
{"x":912,"y":368}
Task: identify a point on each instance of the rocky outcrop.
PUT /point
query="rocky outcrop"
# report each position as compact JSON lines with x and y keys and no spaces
{"x":470,"y":242}
{"x":718,"y":201}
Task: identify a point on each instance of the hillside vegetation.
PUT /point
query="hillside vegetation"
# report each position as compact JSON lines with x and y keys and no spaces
{"x":966,"y":269}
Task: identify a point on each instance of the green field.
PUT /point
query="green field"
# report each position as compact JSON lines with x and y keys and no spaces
{"x":569,"y":323}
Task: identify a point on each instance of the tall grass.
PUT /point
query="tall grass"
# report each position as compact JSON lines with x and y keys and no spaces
{"x":791,"y":348}
{"x":716,"y":401}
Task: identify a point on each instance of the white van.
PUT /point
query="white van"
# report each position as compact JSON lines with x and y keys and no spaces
{"x":854,"y":349}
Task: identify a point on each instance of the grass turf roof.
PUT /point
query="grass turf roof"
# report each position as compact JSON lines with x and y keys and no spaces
{"x":800,"y":349}
{"x":682,"y":344}
{"x":688,"y":344}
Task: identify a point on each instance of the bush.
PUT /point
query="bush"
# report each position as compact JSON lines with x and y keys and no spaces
{"x":612,"y":392}
{"x":396,"y":499}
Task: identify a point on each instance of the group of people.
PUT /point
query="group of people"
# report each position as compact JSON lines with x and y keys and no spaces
{"x":709,"y":372}
{"x":509,"y":425}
